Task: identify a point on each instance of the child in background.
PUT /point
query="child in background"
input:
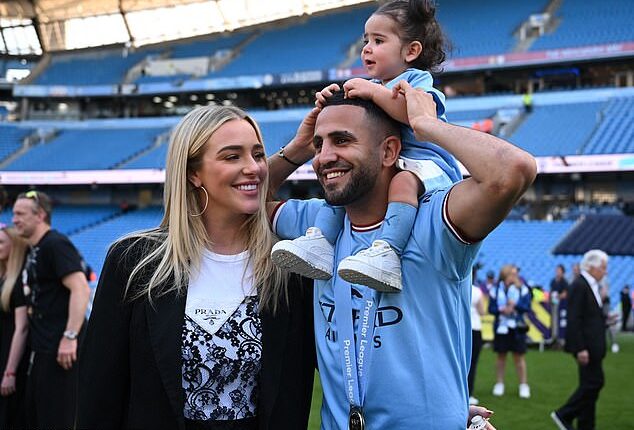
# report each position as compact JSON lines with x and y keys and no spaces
{"x":402,"y":40}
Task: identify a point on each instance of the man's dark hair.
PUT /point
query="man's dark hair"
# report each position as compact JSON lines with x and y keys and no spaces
{"x":377,"y":116}
{"x":416,"y":21}
{"x":41,"y":200}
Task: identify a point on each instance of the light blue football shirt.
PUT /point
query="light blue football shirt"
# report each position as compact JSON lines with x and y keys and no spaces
{"x":422,"y":336}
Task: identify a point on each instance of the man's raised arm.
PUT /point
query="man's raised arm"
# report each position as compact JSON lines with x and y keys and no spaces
{"x":500,"y":172}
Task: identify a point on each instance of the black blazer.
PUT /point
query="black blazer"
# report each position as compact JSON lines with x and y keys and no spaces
{"x":586,"y":322}
{"x":130,"y":361}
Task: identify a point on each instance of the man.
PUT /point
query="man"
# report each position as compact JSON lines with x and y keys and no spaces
{"x":559,"y":284}
{"x":408,"y":367}
{"x":626,"y":306}
{"x":585,"y":339}
{"x":57,"y":295}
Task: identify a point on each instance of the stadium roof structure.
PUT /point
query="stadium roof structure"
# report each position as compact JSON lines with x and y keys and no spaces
{"x":31,"y":27}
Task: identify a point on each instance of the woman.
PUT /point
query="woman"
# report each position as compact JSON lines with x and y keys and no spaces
{"x":14,"y":329}
{"x":477,"y":310}
{"x":509,"y":301}
{"x":192,"y":326}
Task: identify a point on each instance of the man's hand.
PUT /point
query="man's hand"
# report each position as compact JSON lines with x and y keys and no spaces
{"x":67,"y":353}
{"x":8,"y":385}
{"x":483,"y":412}
{"x":322,"y":95}
{"x":421,"y":108}
{"x":303,"y":140}
{"x":361,"y":88}
{"x":583,"y":357}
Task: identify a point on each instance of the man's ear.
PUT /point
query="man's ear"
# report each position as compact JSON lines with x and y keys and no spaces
{"x":413,"y":51}
{"x":391,"y":150}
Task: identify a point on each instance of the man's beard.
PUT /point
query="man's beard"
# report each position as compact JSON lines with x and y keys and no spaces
{"x":359,"y":184}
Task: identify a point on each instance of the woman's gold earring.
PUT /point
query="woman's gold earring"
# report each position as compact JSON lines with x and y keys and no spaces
{"x":206,"y":201}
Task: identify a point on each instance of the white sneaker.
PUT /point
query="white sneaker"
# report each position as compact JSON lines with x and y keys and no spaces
{"x":498,"y":389}
{"x":615,"y":348}
{"x":377,"y":267}
{"x":310,"y":255}
{"x":473,"y":401}
{"x":525,"y":391}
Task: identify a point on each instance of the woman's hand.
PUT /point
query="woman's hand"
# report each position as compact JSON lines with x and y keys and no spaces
{"x":8,"y":385}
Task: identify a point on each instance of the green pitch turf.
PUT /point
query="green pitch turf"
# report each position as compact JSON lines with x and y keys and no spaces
{"x":552,"y":376}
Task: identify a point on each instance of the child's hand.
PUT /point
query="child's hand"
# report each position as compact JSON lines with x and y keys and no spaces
{"x":358,"y":87}
{"x":322,"y":95}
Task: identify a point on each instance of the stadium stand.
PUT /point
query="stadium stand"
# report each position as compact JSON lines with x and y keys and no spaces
{"x":86,"y":149}
{"x":530,"y":245}
{"x":70,"y":219}
{"x":94,"y":242}
{"x":96,"y":67}
{"x":611,"y":23}
{"x":310,"y":45}
{"x":11,"y":138}
{"x":615,"y":134}
{"x":563,"y":128}
{"x":611,"y":233}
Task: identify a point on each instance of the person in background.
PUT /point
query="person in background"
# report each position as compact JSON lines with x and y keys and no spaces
{"x":626,"y":306}
{"x":509,"y":301}
{"x":57,"y":296}
{"x":13,"y":329}
{"x":477,"y":310}
{"x":586,"y":341}
{"x":559,"y":284}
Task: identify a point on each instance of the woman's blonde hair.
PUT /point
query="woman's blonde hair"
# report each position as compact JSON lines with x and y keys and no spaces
{"x":506,"y":272}
{"x":12,"y":267}
{"x":178,"y":242}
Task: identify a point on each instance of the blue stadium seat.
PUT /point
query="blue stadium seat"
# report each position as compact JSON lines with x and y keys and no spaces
{"x":93,"y":243}
{"x":563,"y":129}
{"x":86,"y":149}
{"x":615,"y":134}
{"x":590,"y":23}
{"x":11,"y":139}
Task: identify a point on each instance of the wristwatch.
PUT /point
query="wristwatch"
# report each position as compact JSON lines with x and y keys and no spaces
{"x":70,"y":334}
{"x":284,"y":157}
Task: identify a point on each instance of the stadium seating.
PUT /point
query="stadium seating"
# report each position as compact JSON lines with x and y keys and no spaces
{"x":86,"y":149}
{"x":101,"y":67}
{"x":93,"y":243}
{"x":615,"y":134}
{"x":70,"y":219}
{"x":206,"y":48}
{"x":11,"y":139}
{"x":530,"y":246}
{"x":611,"y":233}
{"x":563,"y":129}
{"x":585,"y":23}
{"x":319,"y":43}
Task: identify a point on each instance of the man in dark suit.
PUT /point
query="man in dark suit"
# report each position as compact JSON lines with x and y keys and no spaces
{"x":585,"y":339}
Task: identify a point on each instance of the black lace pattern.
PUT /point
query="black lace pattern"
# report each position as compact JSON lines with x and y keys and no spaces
{"x":220,"y":371}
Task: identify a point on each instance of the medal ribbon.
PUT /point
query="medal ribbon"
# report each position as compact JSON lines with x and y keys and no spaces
{"x":356,"y":357}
